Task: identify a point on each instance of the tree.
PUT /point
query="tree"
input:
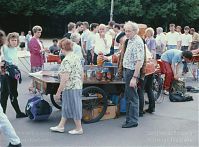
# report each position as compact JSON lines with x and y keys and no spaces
{"x":151,"y":12}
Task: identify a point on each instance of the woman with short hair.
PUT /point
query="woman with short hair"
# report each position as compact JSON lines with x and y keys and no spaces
{"x":150,"y":41}
{"x":36,"y":52}
{"x":75,"y":38}
{"x":71,"y":81}
{"x":6,"y":127}
{"x":8,"y":83}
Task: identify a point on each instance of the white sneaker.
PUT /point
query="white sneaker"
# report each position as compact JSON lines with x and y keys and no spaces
{"x":76,"y":132}
{"x":57,"y":129}
{"x":166,"y":92}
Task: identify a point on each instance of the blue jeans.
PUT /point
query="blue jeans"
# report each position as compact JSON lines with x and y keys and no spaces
{"x":7,"y":129}
{"x":171,"y":47}
{"x":132,"y":99}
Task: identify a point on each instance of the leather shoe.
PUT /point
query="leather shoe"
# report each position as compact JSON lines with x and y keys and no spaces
{"x":129,"y":125}
{"x":17,"y":145}
{"x":141,"y":114}
{"x":150,"y":110}
{"x":124,"y":123}
{"x":21,"y":115}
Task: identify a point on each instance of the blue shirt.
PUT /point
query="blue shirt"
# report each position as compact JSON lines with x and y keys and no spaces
{"x":172,"y":56}
{"x":90,"y":41}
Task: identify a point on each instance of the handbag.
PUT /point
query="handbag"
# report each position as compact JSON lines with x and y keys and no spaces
{"x":149,"y":68}
{"x":149,"y":65}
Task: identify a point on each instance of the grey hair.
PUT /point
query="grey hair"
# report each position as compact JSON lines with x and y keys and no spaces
{"x":133,"y":25}
{"x":160,"y":29}
{"x":35,"y":29}
{"x":150,"y":30}
{"x":74,"y":37}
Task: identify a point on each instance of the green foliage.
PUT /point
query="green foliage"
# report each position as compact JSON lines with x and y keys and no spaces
{"x":142,"y":10}
{"x":151,"y":12}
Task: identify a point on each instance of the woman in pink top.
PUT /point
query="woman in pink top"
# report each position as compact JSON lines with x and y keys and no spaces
{"x":36,"y":52}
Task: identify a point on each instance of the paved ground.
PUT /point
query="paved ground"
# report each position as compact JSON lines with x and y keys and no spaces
{"x":173,"y":124}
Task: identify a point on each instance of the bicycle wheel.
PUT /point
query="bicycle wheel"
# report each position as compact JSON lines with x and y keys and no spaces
{"x":157,"y":86}
{"x":55,"y":103}
{"x":94,"y":103}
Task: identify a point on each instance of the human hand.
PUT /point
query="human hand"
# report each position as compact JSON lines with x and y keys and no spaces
{"x":58,"y":96}
{"x":102,"y":34}
{"x":133,"y":82}
{"x":105,"y":58}
{"x":84,"y":54}
{"x":47,"y":50}
{"x":100,"y":57}
{"x":176,"y":77}
{"x":2,"y":63}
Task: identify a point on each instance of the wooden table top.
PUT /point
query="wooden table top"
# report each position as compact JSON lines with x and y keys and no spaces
{"x":52,"y":77}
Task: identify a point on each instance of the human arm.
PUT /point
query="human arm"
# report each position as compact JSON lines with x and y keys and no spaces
{"x":34,"y":47}
{"x":139,"y":58}
{"x":108,"y":42}
{"x":179,"y":42}
{"x":64,"y":76}
{"x":190,"y":42}
{"x":178,"y":45}
{"x":138,"y":65}
{"x":64,"y":72}
{"x":175,"y":69}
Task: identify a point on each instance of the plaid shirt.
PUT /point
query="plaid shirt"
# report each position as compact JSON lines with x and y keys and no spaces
{"x":134,"y":52}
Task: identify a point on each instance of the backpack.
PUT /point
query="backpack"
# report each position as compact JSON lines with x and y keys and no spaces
{"x":38,"y":109}
{"x":177,"y":92}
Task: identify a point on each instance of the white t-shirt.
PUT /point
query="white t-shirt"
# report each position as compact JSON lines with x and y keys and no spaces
{"x":84,"y":37}
{"x":77,"y":50}
{"x":186,"y":39}
{"x":99,"y":45}
{"x":172,"y":38}
{"x":22,"y":39}
{"x":160,"y":39}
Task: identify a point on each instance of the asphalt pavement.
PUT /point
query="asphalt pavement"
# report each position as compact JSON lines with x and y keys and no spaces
{"x":172,"y":124}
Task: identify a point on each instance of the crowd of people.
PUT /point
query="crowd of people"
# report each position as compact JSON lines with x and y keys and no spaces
{"x":84,"y":44}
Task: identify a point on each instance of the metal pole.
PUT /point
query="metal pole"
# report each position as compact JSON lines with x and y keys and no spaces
{"x":111,"y":13}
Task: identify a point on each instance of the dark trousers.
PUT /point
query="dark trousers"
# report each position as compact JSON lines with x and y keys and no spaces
{"x":95,"y":59}
{"x":9,"y":88}
{"x":185,"y":67}
{"x":146,"y":86}
{"x":89,"y":58}
{"x":158,"y":56}
{"x":132,"y":99}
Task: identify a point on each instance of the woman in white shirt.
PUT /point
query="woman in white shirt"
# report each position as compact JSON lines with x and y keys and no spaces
{"x":102,"y":43}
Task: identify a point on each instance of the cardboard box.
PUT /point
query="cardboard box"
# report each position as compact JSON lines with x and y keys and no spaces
{"x":109,"y":114}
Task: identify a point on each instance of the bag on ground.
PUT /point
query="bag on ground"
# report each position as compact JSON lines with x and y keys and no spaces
{"x":178,"y":92}
{"x":38,"y":109}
